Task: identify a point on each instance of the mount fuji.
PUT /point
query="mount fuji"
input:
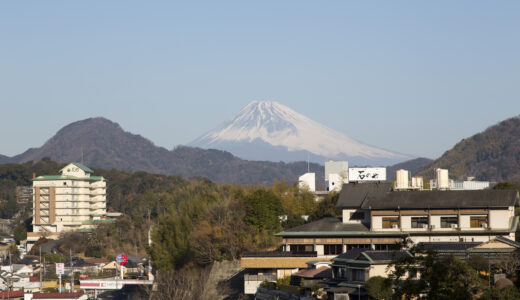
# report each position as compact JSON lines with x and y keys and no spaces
{"x":266,"y":130}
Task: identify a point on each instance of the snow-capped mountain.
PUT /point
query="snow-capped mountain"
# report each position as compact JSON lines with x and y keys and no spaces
{"x":265,"y":130}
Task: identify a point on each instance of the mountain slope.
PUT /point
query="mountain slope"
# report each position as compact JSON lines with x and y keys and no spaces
{"x":101,"y":143}
{"x":270,"y":130}
{"x":493,"y":154}
{"x":4,"y":159}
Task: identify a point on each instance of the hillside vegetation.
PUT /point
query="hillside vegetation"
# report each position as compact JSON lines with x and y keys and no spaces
{"x":101,"y":143}
{"x":493,"y":154}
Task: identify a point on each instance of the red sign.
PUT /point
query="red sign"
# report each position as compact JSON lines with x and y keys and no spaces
{"x":121,"y":259}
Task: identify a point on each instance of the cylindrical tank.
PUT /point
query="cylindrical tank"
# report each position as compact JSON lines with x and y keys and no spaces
{"x":443,"y":181}
{"x":401,"y":179}
{"x":417,"y":183}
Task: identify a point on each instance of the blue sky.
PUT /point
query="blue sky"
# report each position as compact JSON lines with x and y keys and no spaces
{"x":410,"y":76}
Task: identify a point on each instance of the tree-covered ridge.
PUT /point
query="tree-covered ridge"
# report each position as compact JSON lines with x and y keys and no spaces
{"x":104,"y":144}
{"x":490,"y":155}
{"x":192,"y":220}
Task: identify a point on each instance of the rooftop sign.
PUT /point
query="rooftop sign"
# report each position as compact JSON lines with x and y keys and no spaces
{"x":366,"y":174}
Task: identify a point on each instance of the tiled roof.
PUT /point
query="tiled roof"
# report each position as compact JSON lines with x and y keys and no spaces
{"x":371,"y":256}
{"x":67,"y":177}
{"x":11,"y":294}
{"x":385,"y":255}
{"x":56,"y":295}
{"x":327,"y":225}
{"x":443,"y":199}
{"x":352,"y":254}
{"x":448,"y":246}
{"x":323,"y":272}
{"x":83,"y":167}
{"x":354,"y":194}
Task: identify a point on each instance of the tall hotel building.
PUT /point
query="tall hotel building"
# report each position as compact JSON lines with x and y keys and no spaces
{"x":75,"y":200}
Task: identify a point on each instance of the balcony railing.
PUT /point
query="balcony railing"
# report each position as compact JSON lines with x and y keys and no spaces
{"x":280,"y":254}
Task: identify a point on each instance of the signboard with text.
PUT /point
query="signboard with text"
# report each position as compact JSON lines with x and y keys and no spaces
{"x":60,"y":268}
{"x":366,"y":174}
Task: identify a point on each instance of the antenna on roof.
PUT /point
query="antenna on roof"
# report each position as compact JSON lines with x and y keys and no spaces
{"x":308,"y":163}
{"x":82,"y":155}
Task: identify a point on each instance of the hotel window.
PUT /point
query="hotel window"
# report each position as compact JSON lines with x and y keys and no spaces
{"x":384,"y":246}
{"x":390,"y":222}
{"x":301,"y":248}
{"x":447,"y":222}
{"x":356,"y":246}
{"x":478,"y":221}
{"x":419,"y":222}
{"x":332,"y":249}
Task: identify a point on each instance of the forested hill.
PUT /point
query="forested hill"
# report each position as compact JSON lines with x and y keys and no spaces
{"x":194,"y":221}
{"x":493,"y":154}
{"x":100,"y":143}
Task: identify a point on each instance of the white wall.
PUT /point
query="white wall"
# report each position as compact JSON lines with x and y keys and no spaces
{"x":500,"y":218}
{"x":320,"y":249}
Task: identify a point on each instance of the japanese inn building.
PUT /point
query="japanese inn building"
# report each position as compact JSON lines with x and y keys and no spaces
{"x":376,"y":217}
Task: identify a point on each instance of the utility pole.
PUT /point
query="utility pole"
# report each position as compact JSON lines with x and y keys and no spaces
{"x":41,"y":268}
{"x":71,"y":273}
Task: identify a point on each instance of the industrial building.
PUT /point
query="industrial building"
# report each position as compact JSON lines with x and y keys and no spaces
{"x":74,"y":200}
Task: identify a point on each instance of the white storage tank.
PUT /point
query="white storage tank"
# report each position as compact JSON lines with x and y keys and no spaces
{"x":443,"y":181}
{"x":307,"y":181}
{"x":417,"y":182}
{"x":401,"y":179}
{"x":335,"y":182}
{"x":337,"y":167}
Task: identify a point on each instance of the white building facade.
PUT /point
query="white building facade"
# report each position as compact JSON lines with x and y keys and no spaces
{"x":72,"y":201}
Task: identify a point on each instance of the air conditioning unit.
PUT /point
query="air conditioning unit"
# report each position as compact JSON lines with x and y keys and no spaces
{"x":395,"y":226}
{"x":425,"y":226}
{"x":454,"y":226}
{"x":484,"y":225}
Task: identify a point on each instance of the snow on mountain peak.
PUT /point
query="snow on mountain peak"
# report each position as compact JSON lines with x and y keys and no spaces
{"x":276,"y":124}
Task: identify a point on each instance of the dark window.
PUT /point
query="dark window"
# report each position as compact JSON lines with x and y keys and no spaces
{"x":419,"y":222}
{"x":390,"y":222}
{"x":301,"y":248}
{"x":446,"y":222}
{"x":358,"y":215}
{"x":358,"y":275}
{"x":478,"y":221}
{"x":355,"y":246}
{"x":383,"y":246}
{"x":332,"y":249}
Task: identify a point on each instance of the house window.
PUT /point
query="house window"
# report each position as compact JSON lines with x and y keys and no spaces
{"x":358,"y":215}
{"x":478,"y":221}
{"x":449,"y":222}
{"x":419,"y":222}
{"x":332,"y":249}
{"x":342,"y":273}
{"x":358,"y":275}
{"x":390,"y":222}
{"x":301,"y":248}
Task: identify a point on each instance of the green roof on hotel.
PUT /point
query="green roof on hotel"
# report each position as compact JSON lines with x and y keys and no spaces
{"x":83,"y":167}
{"x":67,"y":177}
{"x":100,"y":221}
